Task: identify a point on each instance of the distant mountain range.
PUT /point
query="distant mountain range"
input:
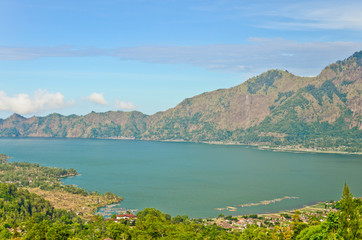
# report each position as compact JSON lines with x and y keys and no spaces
{"x":276,"y":109}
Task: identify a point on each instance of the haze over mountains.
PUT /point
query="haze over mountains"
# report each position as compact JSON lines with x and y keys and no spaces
{"x":275,"y":108}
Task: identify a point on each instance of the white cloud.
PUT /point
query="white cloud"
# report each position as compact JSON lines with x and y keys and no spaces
{"x":309,"y":15}
{"x":124,"y":105}
{"x":41,"y":101}
{"x":252,"y":57}
{"x":97,"y":98}
{"x":290,"y":14}
{"x":32,"y":53}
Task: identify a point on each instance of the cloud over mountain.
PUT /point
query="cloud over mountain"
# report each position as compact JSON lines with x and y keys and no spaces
{"x":41,"y":101}
{"x":97,"y":98}
{"x":119,"y":105}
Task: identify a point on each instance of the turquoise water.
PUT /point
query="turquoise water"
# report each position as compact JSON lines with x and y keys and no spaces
{"x":191,"y":178}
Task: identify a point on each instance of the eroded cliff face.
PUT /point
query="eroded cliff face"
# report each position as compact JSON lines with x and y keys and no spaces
{"x":274,"y":107}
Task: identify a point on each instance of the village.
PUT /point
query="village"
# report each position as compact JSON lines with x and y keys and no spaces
{"x":313,"y":213}
{"x":317,"y":212}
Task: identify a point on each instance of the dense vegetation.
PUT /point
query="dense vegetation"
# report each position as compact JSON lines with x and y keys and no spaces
{"x":29,"y":216}
{"x":31,"y":175}
{"x":21,"y":211}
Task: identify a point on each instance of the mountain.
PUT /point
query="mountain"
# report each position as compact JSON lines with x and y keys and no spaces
{"x":275,"y":109}
{"x":93,"y":125}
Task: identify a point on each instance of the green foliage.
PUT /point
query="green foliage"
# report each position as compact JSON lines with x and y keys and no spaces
{"x":357,"y":57}
{"x":264,"y":81}
{"x":297,"y":225}
{"x":106,"y":130}
{"x":10,"y":132}
{"x":75,"y":190}
{"x":3,"y":158}
{"x":25,"y":174}
{"x":18,"y":206}
{"x":231,"y":218}
{"x":287,"y":216}
{"x":345,"y":224}
{"x":327,"y":89}
{"x":282,"y":96}
{"x":345,"y":83}
{"x":350,"y":224}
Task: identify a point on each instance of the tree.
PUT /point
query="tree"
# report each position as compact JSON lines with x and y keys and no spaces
{"x":117,"y":231}
{"x":349,"y":216}
{"x":58,"y":232}
{"x":38,"y":231}
{"x":345,"y":224}
{"x":297,"y":224}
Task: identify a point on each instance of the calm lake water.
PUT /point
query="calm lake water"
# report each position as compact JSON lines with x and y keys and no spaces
{"x":194,"y":179}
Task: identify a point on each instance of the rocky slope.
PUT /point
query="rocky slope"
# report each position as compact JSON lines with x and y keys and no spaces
{"x":275,"y":108}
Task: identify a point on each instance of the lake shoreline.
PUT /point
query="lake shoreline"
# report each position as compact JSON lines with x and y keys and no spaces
{"x":259,"y":146}
{"x":283,"y":149}
{"x":305,"y":150}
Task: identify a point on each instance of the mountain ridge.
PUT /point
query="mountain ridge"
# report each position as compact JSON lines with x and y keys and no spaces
{"x":275,"y":108}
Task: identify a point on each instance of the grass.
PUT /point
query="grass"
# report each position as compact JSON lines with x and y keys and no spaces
{"x":83,"y":206}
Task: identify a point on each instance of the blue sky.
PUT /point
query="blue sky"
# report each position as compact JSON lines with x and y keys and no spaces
{"x":79,"y":56}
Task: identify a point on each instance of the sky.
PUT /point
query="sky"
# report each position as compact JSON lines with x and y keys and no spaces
{"x":74,"y":57}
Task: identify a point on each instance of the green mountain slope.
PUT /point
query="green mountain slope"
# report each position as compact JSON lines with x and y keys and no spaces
{"x":275,"y":108}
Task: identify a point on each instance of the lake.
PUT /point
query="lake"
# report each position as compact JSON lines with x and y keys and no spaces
{"x":195,"y":179}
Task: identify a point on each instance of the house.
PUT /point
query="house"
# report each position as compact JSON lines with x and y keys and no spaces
{"x":125,"y":216}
